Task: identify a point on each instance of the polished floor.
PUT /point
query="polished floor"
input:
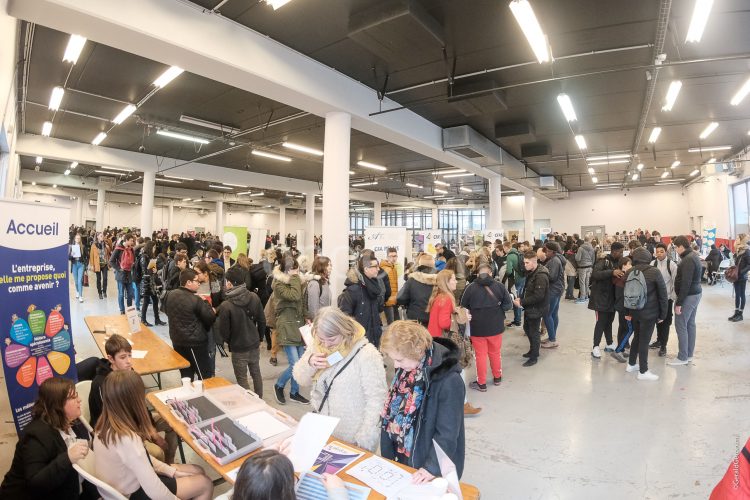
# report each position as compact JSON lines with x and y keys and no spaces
{"x":571,"y":427}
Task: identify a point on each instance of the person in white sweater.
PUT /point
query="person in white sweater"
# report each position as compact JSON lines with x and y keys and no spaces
{"x":120,"y":456}
{"x":347,"y":377}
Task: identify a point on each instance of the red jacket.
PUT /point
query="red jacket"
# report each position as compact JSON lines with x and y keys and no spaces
{"x":440,"y":315}
{"x":735,"y":484}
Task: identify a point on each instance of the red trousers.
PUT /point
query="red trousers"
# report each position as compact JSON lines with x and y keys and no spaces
{"x":484,"y":347}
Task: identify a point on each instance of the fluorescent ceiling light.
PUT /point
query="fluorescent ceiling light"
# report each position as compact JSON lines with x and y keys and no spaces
{"x":304,"y":149}
{"x":567,"y":107}
{"x":205,"y":123}
{"x":277,"y":3}
{"x":67,"y":172}
{"x":171,"y":181}
{"x":54,"y":186}
{"x":466,"y":190}
{"x":186,"y":199}
{"x":709,"y":148}
{"x":33,"y":183}
{"x":73,"y":165}
{"x":169,"y":75}
{"x":741,"y":94}
{"x":74,"y":48}
{"x":442,"y":191}
{"x":654,"y":135}
{"x":698,"y":22}
{"x":708,"y":130}
{"x":47,"y":129}
{"x":177,"y":177}
{"x":351,"y":172}
{"x":260,"y":193}
{"x":99,"y":138}
{"x":610,"y":184}
{"x":450,"y":171}
{"x":457,"y":175}
{"x":672,"y":92}
{"x":39,"y":160}
{"x":272,"y":156}
{"x":233,"y":185}
{"x":183,"y":137}
{"x":711,"y":160}
{"x":607,"y":187}
{"x":454,"y":199}
{"x":675,"y":164}
{"x":608,"y":157}
{"x":118,"y":169}
{"x":367,"y":164}
{"x":594,"y":180}
{"x":670,"y":181}
{"x":581,"y":141}
{"x":365,"y":209}
{"x":639,"y":166}
{"x":665,"y":174}
{"x":635,"y":177}
{"x":409,"y":184}
{"x":433,"y":196}
{"x":360,"y":184}
{"x":695,"y":172}
{"x":612,"y":162}
{"x":591,"y":170}
{"x":127,"y":111}
{"x":219,"y":187}
{"x":109,"y":172}
{"x":529,"y":24}
{"x":56,"y":98}
{"x":441,"y":183}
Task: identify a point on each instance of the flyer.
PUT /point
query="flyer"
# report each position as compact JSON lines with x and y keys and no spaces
{"x":334,"y":457}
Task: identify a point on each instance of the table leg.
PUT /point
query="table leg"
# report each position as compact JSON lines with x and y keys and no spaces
{"x":182,"y":452}
{"x":158,"y":379}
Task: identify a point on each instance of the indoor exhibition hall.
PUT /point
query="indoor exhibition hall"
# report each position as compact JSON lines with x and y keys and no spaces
{"x":360,"y":249}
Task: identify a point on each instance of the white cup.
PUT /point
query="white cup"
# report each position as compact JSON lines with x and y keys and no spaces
{"x":198,"y":386}
{"x":186,"y":382}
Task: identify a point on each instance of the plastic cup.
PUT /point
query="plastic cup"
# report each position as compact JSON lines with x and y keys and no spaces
{"x":186,"y":382}
{"x":198,"y":386}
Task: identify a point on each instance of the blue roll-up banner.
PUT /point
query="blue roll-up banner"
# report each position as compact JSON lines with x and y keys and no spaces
{"x":37,"y":341}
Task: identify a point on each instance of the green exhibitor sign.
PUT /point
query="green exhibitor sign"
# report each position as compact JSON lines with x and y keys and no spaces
{"x":235,"y":237}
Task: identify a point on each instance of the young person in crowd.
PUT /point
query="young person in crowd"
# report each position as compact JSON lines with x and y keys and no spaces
{"x":585,"y":258}
{"x":417,"y":290}
{"x":98,"y":258}
{"x":602,"y":298}
{"x":687,"y":287}
{"x":555,"y":263}
{"x":120,"y":456}
{"x":211,"y":290}
{"x":122,"y":261}
{"x":668,"y":270}
{"x":534,"y":303}
{"x":226,"y":258}
{"x":240,"y":320}
{"x":742,"y":261}
{"x":424,"y":403}
{"x":51,"y":443}
{"x":147,"y":263}
{"x":78,"y":258}
{"x":356,"y":368}
{"x":713,"y":259}
{"x":388,"y":265}
{"x":571,"y":273}
{"x":364,"y":296}
{"x":319,"y":288}
{"x":623,"y":324}
{"x":520,"y":281}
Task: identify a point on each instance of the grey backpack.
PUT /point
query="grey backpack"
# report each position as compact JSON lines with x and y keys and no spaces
{"x":635,"y":293}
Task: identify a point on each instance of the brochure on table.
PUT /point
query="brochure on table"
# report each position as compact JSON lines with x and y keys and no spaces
{"x":134,"y":322}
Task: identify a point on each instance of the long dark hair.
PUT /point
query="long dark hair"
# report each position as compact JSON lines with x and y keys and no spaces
{"x":267,"y":474}
{"x":50,"y":402}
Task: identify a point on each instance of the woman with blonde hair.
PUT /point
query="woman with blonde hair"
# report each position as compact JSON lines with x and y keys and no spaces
{"x":425,"y":401}
{"x":121,"y":459}
{"x":742,"y":261}
{"x":340,"y":363}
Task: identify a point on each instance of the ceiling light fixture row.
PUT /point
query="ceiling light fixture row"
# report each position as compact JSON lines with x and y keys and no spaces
{"x":532,"y":30}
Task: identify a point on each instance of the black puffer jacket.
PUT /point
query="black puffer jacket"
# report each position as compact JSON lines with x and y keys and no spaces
{"x":742,"y":261}
{"x":190,"y":317}
{"x":416,"y":292}
{"x":363,"y":299}
{"x":657,"y":298}
{"x":535,"y":301}
{"x":487,"y":309}
{"x":556,"y":267}
{"x":256,"y":282}
{"x":240,"y":318}
{"x":688,"y":279}
{"x":602,"y":296}
{"x":441,"y":416}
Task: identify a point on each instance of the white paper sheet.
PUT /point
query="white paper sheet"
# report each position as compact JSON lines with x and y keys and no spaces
{"x":306,"y":332}
{"x":448,"y":471}
{"x":263,"y":424}
{"x":381,"y":475}
{"x":176,"y":393}
{"x":311,"y":436}
{"x":233,"y":474}
{"x":139,"y":354}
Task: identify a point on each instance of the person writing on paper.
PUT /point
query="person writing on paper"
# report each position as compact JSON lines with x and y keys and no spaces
{"x":121,"y":459}
{"x":52,"y":442}
{"x":342,"y":362}
{"x":425,"y":401}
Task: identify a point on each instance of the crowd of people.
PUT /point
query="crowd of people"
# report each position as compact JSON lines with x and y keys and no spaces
{"x":449,"y":313}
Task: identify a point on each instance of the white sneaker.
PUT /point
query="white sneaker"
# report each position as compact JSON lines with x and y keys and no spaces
{"x":677,"y":362}
{"x":690,"y":360}
{"x":596,"y":352}
{"x":76,"y":296}
{"x":648,"y":376}
{"x":610,"y":347}
{"x":632,"y":368}
{"x":80,"y":299}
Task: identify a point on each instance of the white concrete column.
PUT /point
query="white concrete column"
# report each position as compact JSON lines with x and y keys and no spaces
{"x":528,"y":217}
{"x":147,"y":204}
{"x":435,"y":218}
{"x":101,"y":193}
{"x":495,"y":214}
{"x":336,"y":196}
{"x":219,"y":219}
{"x":376,"y":216}
{"x":309,"y":248}
{"x":75,"y":211}
{"x":282,"y":225}
{"x":170,"y":217}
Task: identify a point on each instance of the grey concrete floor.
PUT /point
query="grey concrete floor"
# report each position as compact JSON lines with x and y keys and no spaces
{"x":572,"y":426}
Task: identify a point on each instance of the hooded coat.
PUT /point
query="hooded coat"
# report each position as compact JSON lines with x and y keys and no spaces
{"x":416,"y":293}
{"x":602,"y":296}
{"x":657,"y":298}
{"x":487,"y":300}
{"x":441,"y":416}
{"x":190,"y":317}
{"x":290,"y":307}
{"x":363,"y":299}
{"x":535,"y":300}
{"x":240,"y":318}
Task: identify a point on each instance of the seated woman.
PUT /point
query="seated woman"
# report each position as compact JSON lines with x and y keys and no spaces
{"x":425,"y":401}
{"x":121,"y":458}
{"x":359,"y":370}
{"x":52,"y":442}
{"x":269,"y":474}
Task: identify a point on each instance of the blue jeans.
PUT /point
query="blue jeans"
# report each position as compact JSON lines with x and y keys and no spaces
{"x":293,"y":353}
{"x":517,"y":311}
{"x":122,"y":290}
{"x":77,"y":269}
{"x":136,"y":294}
{"x":551,"y":320}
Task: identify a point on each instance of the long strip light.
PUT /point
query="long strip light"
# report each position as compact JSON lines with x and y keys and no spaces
{"x":708,"y":130}
{"x":109,"y":172}
{"x":441,"y":183}
{"x":466,"y":190}
{"x":594,"y":179}
{"x":216,"y":186}
{"x":654,"y":135}
{"x":639,"y":166}
{"x":118,"y":169}
{"x":124,"y":114}
{"x":186,"y":199}
{"x":529,"y":24}
{"x":99,"y":138}
{"x":261,"y":193}
{"x":205,"y":123}
{"x":272,"y":156}
{"x":374,"y":166}
{"x":449,"y":171}
{"x":171,"y":181}
{"x":591,"y":170}
{"x":709,"y":148}
{"x":73,"y":165}
{"x":234,"y":185}
{"x":675,"y":164}
{"x":56,"y":98}
{"x":74,"y":48}
{"x":741,"y":94}
{"x":441,"y":191}
{"x":672,"y":92}
{"x":303,"y":149}
{"x":182,"y":137}
{"x":277,"y":3}
{"x":178,"y":177}
{"x":360,"y":184}
{"x":581,"y":141}
{"x":608,"y":157}
{"x":433,"y":196}
{"x":567,"y":107}
{"x":467,"y":174}
{"x":47,"y":129}
{"x":698,"y":22}
{"x":635,"y":177}
{"x":39,"y":160}
{"x":695,"y":172}
{"x":665,"y":174}
{"x":611,"y":162}
{"x":67,"y":172}
{"x":411,"y":185}
{"x":169,"y":75}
